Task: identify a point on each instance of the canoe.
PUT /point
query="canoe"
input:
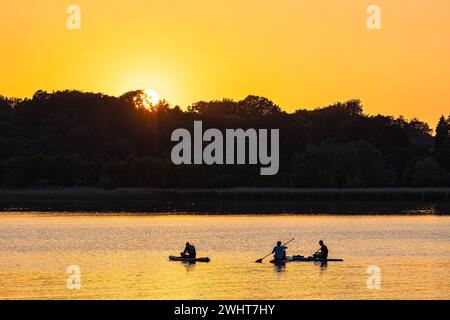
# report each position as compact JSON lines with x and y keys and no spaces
{"x":173,"y":258}
{"x":303,"y":259}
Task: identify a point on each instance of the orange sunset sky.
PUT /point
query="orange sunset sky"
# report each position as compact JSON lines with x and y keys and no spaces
{"x":297,"y":53}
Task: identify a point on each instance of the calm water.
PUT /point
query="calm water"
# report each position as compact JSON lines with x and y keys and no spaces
{"x":125,"y":257}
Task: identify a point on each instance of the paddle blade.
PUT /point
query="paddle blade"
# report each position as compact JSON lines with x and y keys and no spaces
{"x":259,"y":261}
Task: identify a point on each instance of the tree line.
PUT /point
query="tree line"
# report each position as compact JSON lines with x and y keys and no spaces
{"x":72,"y":138}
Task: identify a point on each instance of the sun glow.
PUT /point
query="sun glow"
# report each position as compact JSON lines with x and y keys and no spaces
{"x":147,"y":99}
{"x":152,"y":97}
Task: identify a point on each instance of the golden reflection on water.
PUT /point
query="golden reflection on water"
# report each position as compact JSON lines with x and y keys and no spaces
{"x":125,"y":256}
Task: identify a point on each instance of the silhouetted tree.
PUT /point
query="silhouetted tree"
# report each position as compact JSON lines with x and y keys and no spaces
{"x":72,"y":138}
{"x":254,"y":105}
{"x":441,"y":132}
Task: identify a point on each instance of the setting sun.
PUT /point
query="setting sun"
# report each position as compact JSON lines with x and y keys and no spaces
{"x":152,"y":97}
{"x":147,"y":99}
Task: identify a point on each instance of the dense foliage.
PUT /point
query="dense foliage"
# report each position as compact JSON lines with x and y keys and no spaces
{"x":72,"y":138}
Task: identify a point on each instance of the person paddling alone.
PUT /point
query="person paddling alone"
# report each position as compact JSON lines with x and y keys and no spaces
{"x":189,"y":251}
{"x":279,"y":252}
{"x":322,"y":253}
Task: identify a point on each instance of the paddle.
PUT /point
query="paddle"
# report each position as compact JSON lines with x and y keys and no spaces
{"x":314,"y":254}
{"x":261,"y":260}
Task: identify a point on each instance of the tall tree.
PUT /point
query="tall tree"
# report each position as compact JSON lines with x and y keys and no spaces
{"x":441,"y":132}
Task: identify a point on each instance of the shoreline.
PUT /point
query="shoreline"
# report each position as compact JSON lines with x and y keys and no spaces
{"x":230,"y":201}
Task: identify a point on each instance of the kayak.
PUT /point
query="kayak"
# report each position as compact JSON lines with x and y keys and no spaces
{"x":303,"y":259}
{"x":173,"y":258}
